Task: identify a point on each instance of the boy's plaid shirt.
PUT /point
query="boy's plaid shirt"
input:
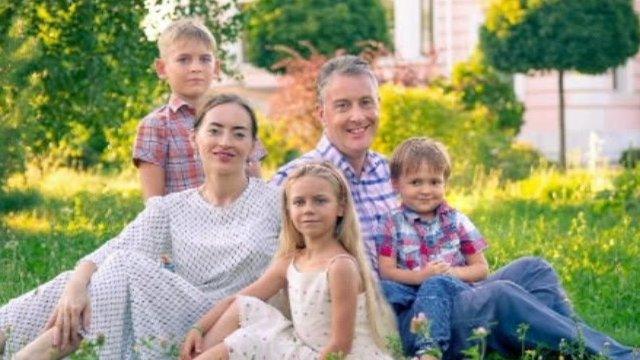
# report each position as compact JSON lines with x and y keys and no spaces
{"x":415,"y":241}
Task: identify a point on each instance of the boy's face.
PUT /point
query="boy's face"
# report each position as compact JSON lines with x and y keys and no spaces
{"x":421,"y":190}
{"x":189,"y":67}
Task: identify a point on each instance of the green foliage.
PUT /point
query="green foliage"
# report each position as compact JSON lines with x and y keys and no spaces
{"x":77,"y":75}
{"x":325,"y":25}
{"x":630,"y":158}
{"x":275,"y":138}
{"x":471,"y":138}
{"x":589,"y":36}
{"x":481,"y":85}
{"x":11,"y":154}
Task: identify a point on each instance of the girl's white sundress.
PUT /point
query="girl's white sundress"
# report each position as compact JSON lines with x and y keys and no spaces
{"x":143,"y":309}
{"x":265,"y":333}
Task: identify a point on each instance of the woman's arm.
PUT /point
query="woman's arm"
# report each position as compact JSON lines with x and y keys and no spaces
{"x":476,"y":269}
{"x":344,"y":287}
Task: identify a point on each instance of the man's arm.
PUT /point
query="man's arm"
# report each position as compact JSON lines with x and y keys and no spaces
{"x":151,"y":179}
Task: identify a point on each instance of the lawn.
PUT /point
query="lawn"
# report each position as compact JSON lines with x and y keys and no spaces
{"x":585,"y":225}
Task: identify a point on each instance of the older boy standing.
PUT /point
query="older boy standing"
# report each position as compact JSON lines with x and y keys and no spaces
{"x":165,"y":159}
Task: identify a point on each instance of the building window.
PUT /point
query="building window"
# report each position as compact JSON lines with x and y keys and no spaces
{"x":620,"y":79}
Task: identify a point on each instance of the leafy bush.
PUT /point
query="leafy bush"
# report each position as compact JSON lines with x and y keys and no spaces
{"x":630,"y":158}
{"x":481,"y":85}
{"x":472,"y":140}
{"x":325,"y":25}
{"x":73,"y":72}
{"x":517,"y":161}
{"x":276,"y":139}
{"x":11,"y":152}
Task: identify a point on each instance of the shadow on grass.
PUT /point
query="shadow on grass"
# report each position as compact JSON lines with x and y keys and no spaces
{"x":19,"y":200}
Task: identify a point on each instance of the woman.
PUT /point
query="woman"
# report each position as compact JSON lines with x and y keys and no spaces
{"x":219,"y":238}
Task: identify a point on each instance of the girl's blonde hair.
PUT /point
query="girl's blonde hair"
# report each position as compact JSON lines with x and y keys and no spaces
{"x":347,"y":233}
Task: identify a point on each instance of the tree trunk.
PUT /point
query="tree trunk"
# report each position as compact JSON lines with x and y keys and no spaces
{"x":563,"y":159}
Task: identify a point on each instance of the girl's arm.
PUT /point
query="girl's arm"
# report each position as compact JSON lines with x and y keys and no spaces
{"x":344,"y":286}
{"x":264,"y":288}
{"x":476,"y":269}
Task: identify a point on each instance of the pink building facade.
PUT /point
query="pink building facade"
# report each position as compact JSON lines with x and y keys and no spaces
{"x":602,"y":112}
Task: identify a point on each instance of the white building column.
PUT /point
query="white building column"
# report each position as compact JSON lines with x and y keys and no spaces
{"x":408,"y":29}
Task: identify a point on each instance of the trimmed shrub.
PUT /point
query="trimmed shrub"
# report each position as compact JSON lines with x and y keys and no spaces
{"x":325,"y":25}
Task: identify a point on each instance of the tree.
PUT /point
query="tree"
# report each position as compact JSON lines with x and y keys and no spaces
{"x":324,"y":25}
{"x":479,"y":84}
{"x":78,"y":75}
{"x":588,"y":36}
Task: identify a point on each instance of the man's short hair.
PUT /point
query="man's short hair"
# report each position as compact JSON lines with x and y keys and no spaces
{"x":185,"y":29}
{"x":342,"y":65}
{"x":417,"y":151}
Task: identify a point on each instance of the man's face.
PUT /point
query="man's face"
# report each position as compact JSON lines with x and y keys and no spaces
{"x":350,"y":113}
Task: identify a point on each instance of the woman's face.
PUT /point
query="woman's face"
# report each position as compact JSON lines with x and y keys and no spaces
{"x":224,"y":139}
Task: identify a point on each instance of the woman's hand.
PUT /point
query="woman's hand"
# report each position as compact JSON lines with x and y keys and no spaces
{"x":73,"y":310}
{"x":192,"y":345}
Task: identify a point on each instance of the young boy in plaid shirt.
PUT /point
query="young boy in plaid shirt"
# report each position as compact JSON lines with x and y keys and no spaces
{"x":163,"y":153}
{"x":432,"y":263}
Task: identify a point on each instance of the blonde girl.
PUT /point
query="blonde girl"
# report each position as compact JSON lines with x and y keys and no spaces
{"x":336,"y":307}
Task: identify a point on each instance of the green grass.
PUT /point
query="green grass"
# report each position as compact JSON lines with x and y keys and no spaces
{"x":586,"y":226}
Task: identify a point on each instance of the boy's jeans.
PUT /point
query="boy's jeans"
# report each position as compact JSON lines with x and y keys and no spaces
{"x":433,"y":298}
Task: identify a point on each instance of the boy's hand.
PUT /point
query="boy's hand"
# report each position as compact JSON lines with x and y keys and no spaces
{"x":436,"y":267}
{"x":192,"y":346}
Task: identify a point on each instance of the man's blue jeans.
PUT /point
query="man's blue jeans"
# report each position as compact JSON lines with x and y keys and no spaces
{"x":526,"y":291}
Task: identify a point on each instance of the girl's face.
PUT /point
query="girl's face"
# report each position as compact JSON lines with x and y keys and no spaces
{"x":313,"y":207}
{"x":224,"y":139}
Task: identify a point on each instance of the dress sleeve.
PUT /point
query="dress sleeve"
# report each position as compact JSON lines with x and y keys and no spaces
{"x":471,"y":240}
{"x":151,"y":144}
{"x":148,"y":234}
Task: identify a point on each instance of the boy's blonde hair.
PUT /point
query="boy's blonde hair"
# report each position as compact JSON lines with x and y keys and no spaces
{"x":185,"y":29}
{"x":347,"y":233}
{"x":414,"y":152}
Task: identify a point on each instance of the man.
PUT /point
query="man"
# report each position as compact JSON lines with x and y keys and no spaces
{"x":349,"y":109}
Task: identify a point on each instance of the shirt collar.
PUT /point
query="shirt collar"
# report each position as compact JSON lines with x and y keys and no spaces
{"x":331,"y":153}
{"x":176,"y":103}
{"x":412,"y":216}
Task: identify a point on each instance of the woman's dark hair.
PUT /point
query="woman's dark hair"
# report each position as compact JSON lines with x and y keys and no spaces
{"x":221,"y":99}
